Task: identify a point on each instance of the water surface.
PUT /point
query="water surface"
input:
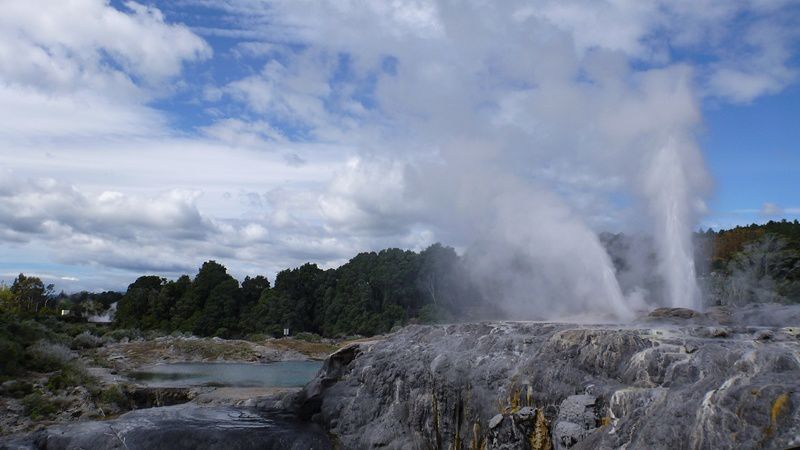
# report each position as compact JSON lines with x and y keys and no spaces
{"x":277,"y":374}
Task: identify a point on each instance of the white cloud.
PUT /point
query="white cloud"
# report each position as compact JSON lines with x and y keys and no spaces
{"x":83,"y":68}
{"x":240,"y":133}
{"x":62,"y":46}
{"x":771,"y":209}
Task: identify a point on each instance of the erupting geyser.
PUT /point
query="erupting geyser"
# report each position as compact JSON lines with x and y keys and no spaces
{"x":669,"y":189}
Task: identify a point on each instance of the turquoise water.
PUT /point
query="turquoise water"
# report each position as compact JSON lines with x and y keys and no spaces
{"x":277,"y":374}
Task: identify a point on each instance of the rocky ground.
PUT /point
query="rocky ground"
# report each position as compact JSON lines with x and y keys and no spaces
{"x":180,"y":427}
{"x":727,"y":378}
{"x":681,"y":379}
{"x":124,"y":355}
{"x":105,"y":372}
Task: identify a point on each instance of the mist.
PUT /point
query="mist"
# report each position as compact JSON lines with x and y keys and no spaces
{"x":529,"y":205}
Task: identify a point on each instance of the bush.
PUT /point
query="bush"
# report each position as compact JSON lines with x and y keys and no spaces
{"x":256,"y":337}
{"x":31,"y":331}
{"x":308,"y":337}
{"x":123,"y":333}
{"x":16,"y":388}
{"x":71,"y":375}
{"x":153,"y":334}
{"x":11,"y":358}
{"x":37,"y":406}
{"x":75,"y":329}
{"x":47,"y":357}
{"x":86,"y":340}
{"x":433,"y":314}
{"x":223,"y":333}
{"x":114,"y":396}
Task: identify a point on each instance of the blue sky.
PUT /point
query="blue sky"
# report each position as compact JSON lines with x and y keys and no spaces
{"x":149,"y":137}
{"x":753,"y":153}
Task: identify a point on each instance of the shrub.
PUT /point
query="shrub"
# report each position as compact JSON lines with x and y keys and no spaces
{"x":10,"y":358}
{"x":222,"y":332}
{"x":153,"y":334}
{"x":16,"y":388}
{"x":37,"y":406}
{"x":256,"y":337}
{"x":113,"y":395}
{"x":86,"y":340}
{"x":71,"y":375}
{"x":308,"y":337}
{"x":123,"y":333}
{"x":31,"y":331}
{"x":47,"y":357}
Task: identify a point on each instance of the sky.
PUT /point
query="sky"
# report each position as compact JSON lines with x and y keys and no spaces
{"x":148,"y":137}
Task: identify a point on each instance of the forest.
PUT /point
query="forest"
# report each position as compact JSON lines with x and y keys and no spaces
{"x":370,"y":294}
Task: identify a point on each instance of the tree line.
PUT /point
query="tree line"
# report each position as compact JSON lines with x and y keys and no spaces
{"x":28,"y":296}
{"x":370,"y":294}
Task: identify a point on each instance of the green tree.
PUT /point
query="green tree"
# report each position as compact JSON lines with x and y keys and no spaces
{"x":134,"y":309}
{"x":221,"y":310}
{"x":189,"y":308}
{"x":31,"y":294}
{"x":252,"y":288}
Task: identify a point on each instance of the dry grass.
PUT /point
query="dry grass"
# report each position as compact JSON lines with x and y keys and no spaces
{"x":312,"y":349}
{"x":142,"y":352}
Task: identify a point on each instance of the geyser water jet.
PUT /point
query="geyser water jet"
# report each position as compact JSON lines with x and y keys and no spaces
{"x":668,"y":188}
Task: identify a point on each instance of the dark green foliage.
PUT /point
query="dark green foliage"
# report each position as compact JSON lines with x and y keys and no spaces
{"x":31,"y":295}
{"x":370,"y":294}
{"x":252,"y":289}
{"x":11,"y":357}
{"x":39,"y":345}
{"x":134,"y":309}
{"x":37,"y":406}
{"x":69,"y":376}
{"x":115,"y":396}
{"x":221,"y":310}
{"x":16,"y":388}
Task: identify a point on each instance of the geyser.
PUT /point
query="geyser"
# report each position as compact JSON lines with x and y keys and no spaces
{"x":540,"y":261}
{"x":670,"y":204}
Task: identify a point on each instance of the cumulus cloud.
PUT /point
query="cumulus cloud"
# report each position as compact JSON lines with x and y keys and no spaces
{"x":164,"y":233}
{"x":371,"y":194}
{"x":61,"y":46}
{"x":86,"y":68}
{"x":55,"y":210}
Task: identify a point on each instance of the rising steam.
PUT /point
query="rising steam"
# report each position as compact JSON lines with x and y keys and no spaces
{"x":532,"y":132}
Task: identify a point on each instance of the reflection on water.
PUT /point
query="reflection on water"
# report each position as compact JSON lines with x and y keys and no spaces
{"x":277,"y":374}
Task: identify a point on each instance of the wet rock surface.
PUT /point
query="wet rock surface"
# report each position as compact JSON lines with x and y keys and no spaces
{"x":179,"y":427}
{"x":692,"y":381}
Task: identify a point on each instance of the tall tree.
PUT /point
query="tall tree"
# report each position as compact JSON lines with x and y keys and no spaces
{"x":30,"y":293}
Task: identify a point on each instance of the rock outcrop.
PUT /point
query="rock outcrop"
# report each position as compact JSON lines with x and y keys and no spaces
{"x":525,"y":385}
{"x":178,"y":427}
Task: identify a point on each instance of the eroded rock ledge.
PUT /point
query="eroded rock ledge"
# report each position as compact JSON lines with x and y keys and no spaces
{"x":525,"y":385}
